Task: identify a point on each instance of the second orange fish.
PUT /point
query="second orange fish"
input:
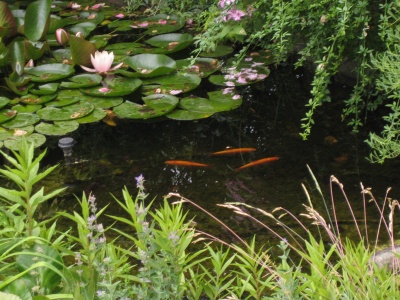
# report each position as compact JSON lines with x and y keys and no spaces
{"x":258,"y":162}
{"x":185,"y":163}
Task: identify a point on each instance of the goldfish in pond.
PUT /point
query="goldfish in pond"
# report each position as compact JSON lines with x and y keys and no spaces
{"x":258,"y":162}
{"x":234,"y":151}
{"x":185,"y":163}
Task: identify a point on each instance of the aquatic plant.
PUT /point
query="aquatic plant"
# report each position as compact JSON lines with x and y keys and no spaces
{"x":102,"y":62}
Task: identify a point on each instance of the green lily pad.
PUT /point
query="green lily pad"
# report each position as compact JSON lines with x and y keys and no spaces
{"x":124,"y":49}
{"x":100,"y":41}
{"x":171,"y":42}
{"x":103,"y":102}
{"x":36,"y":99}
{"x":117,"y":86}
{"x":159,"y":24}
{"x":96,"y":115}
{"x":21,"y":120}
{"x":220,"y":51}
{"x":15,"y":132}
{"x":62,"y":55}
{"x":202,"y":67}
{"x":84,"y":27}
{"x":57,"y":128}
{"x":155,"y":106}
{"x":45,"y":89}
{"x":66,"y":113}
{"x":120,"y":25}
{"x":7,"y":114}
{"x":92,"y":16}
{"x":36,"y":139}
{"x":82,"y":81}
{"x":150,"y":65}
{"x":62,"y":102}
{"x":186,"y":115}
{"x":4,"y":101}
{"x":26,"y":108}
{"x":171,"y":84}
{"x":217,"y":102}
{"x":50,"y":72}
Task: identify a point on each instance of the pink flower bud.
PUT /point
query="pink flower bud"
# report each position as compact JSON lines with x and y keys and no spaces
{"x":62,"y":37}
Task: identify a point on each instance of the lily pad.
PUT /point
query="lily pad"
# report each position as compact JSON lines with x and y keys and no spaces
{"x":117,"y":86}
{"x":202,"y":67}
{"x":57,"y":128}
{"x":171,"y":42}
{"x":155,"y":106}
{"x":82,"y":81}
{"x":217,"y":102}
{"x":7,"y":114}
{"x":21,"y":120}
{"x":102,"y":102}
{"x":159,"y":24}
{"x":15,"y":132}
{"x":36,"y":139}
{"x":125,"y":49}
{"x":62,"y":55}
{"x":50,"y":72}
{"x":35,"y":99}
{"x":150,"y":65}
{"x":66,"y":113}
{"x":171,"y":84}
{"x":96,"y":115}
{"x":26,"y":108}
{"x":186,"y":115}
{"x":45,"y":89}
{"x":85,"y":28}
{"x":4,"y":101}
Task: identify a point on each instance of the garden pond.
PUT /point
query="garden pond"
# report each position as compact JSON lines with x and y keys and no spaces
{"x":156,"y":108}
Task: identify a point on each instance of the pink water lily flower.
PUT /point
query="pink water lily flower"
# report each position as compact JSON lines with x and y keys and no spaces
{"x":102,"y":62}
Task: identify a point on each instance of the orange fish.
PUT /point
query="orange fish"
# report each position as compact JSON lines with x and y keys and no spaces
{"x":185,"y":163}
{"x":234,"y":151}
{"x":258,"y":162}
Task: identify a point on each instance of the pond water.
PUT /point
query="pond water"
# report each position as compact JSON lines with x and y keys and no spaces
{"x":109,"y":158}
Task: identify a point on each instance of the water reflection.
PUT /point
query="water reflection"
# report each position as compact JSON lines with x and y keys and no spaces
{"x":268,"y":120}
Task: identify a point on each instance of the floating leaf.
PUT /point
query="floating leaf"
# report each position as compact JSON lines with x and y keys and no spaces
{"x":171,"y":42}
{"x":65,"y":113}
{"x":15,"y":132}
{"x":7,"y":114}
{"x":117,"y":86}
{"x":57,"y":128}
{"x":36,"y":99}
{"x":159,"y":24}
{"x":96,"y":115}
{"x":36,"y":139}
{"x":217,"y":102}
{"x":155,"y":106}
{"x":150,"y":65}
{"x":82,"y":81}
{"x":45,"y":89}
{"x":4,"y":101}
{"x":84,"y":27}
{"x":50,"y":72}
{"x":171,"y":84}
{"x":36,"y":17}
{"x":26,"y":108}
{"x":62,"y":55}
{"x":21,"y":120}
{"x":202,"y":67}
{"x":102,"y":102}
{"x":186,"y":115}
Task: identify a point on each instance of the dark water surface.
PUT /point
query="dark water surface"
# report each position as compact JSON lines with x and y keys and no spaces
{"x":268,"y":120}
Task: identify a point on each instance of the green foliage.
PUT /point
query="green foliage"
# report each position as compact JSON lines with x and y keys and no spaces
{"x":23,"y":202}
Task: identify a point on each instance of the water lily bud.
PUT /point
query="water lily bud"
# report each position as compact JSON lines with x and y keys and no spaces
{"x":62,"y":37}
{"x":79,"y":34}
{"x":30,"y":64}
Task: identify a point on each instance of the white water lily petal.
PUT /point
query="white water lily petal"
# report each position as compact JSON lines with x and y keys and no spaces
{"x":102,"y":62}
